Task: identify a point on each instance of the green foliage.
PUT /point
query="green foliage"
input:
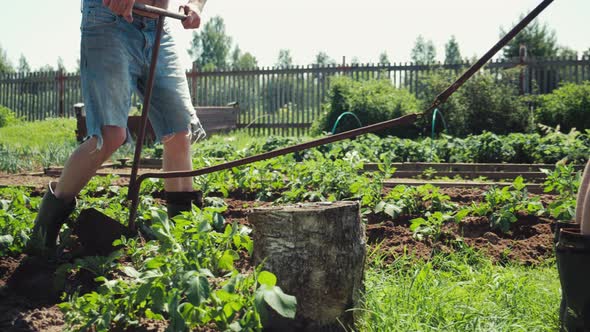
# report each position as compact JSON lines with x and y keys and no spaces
{"x":285,"y":59}
{"x":7,"y":117}
{"x":452,"y":52}
{"x":539,"y":39}
{"x":567,"y":107}
{"x":564,"y":181}
{"x":429,"y":227}
{"x":211,"y":46}
{"x":29,"y":145}
{"x":424,"y":52}
{"x":371,"y":101}
{"x":501,"y":206}
{"x":322,"y":59}
{"x":17,"y":213}
{"x":483,"y":104}
{"x":241,"y":61}
{"x":187,"y":277}
{"x":5,"y":65}
{"x":462,"y":291}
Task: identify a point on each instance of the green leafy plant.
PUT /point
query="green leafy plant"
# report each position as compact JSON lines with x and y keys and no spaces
{"x":501,"y":206}
{"x":187,"y":277}
{"x":565,"y":181}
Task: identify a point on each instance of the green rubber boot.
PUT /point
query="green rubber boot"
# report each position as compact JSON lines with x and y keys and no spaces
{"x":52,"y":214}
{"x":573,"y":263}
{"x":178,"y":202}
{"x":556,"y":227}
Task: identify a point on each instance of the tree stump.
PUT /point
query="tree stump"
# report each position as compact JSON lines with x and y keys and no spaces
{"x":317,"y":251}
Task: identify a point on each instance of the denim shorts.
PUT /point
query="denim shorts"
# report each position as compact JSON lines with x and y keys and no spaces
{"x":115,"y":61}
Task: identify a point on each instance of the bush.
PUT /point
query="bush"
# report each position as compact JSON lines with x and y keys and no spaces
{"x":481,"y":104}
{"x":372,"y":101}
{"x":567,"y":107}
{"x":7,"y":117}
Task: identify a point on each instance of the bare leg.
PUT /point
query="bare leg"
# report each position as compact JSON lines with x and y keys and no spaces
{"x":177,"y":157}
{"x":85,"y":161}
{"x":583,"y":202}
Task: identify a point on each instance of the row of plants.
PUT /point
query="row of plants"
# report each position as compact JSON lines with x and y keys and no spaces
{"x":187,"y":276}
{"x":486,"y":102}
{"x":320,"y":178}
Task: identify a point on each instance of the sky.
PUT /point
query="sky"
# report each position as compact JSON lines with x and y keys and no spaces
{"x":43,"y":30}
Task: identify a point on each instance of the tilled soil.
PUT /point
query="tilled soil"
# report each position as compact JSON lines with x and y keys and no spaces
{"x":27,"y":302}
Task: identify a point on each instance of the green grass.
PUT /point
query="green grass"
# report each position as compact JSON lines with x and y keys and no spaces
{"x":459,"y":292}
{"x":39,"y":134}
{"x":27,"y":146}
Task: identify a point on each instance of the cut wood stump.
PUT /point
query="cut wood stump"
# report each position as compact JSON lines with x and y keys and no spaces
{"x":317,"y":251}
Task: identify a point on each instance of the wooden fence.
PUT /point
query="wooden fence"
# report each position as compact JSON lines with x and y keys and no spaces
{"x":277,"y":100}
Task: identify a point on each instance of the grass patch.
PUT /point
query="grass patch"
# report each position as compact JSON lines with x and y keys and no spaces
{"x":463,"y":291}
{"x":26,"y":146}
{"x":39,"y":134}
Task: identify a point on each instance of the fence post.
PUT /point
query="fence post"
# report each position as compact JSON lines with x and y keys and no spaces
{"x":193,"y":75}
{"x":61,"y":93}
{"x":522,"y":61}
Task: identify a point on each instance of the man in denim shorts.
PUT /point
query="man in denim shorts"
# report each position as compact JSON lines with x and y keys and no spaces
{"x":116,"y":49}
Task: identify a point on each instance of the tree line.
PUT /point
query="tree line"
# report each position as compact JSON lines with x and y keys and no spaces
{"x":213,"y":49}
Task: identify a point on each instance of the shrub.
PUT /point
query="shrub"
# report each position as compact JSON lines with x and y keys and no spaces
{"x":567,"y":107}
{"x":481,"y":104}
{"x":7,"y":117}
{"x":371,"y":101}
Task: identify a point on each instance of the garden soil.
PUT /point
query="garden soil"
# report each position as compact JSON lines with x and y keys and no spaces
{"x":28,"y":304}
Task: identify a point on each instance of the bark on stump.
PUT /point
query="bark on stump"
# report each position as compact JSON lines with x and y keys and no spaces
{"x":317,"y":251}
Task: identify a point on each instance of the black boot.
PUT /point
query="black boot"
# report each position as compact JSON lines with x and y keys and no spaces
{"x":52,"y":214}
{"x":556,"y":227}
{"x":573,"y":263}
{"x":178,"y":202}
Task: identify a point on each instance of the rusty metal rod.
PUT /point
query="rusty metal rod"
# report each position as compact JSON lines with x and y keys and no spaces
{"x":407,"y":119}
{"x":134,"y":185}
{"x":158,"y":11}
{"x":441,"y":98}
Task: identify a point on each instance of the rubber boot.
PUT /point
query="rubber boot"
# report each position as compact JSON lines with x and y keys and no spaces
{"x":556,"y":227}
{"x":573,"y":263}
{"x":178,"y":202}
{"x":52,"y":214}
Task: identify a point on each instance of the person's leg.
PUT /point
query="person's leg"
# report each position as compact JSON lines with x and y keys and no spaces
{"x":85,"y":161}
{"x":177,"y":157}
{"x":174,"y":121}
{"x":59,"y":200}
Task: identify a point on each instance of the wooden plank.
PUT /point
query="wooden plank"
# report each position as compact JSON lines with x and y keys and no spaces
{"x":474,"y":174}
{"x":531,"y":187}
{"x":468,"y":167}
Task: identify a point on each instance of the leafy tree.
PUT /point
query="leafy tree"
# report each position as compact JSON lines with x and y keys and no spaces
{"x":5,"y":65}
{"x":452,"y":52}
{"x":322,"y":59}
{"x":538,"y":38}
{"x":285,"y":59}
{"x":210,"y":47}
{"x":243,"y":60}
{"x":23,"y":65}
{"x":355,"y":60}
{"x":424,"y":51}
{"x":566,"y":52}
{"x":46,"y":67}
{"x":60,"y":64}
{"x":383,"y":58}
{"x":587,"y":53}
